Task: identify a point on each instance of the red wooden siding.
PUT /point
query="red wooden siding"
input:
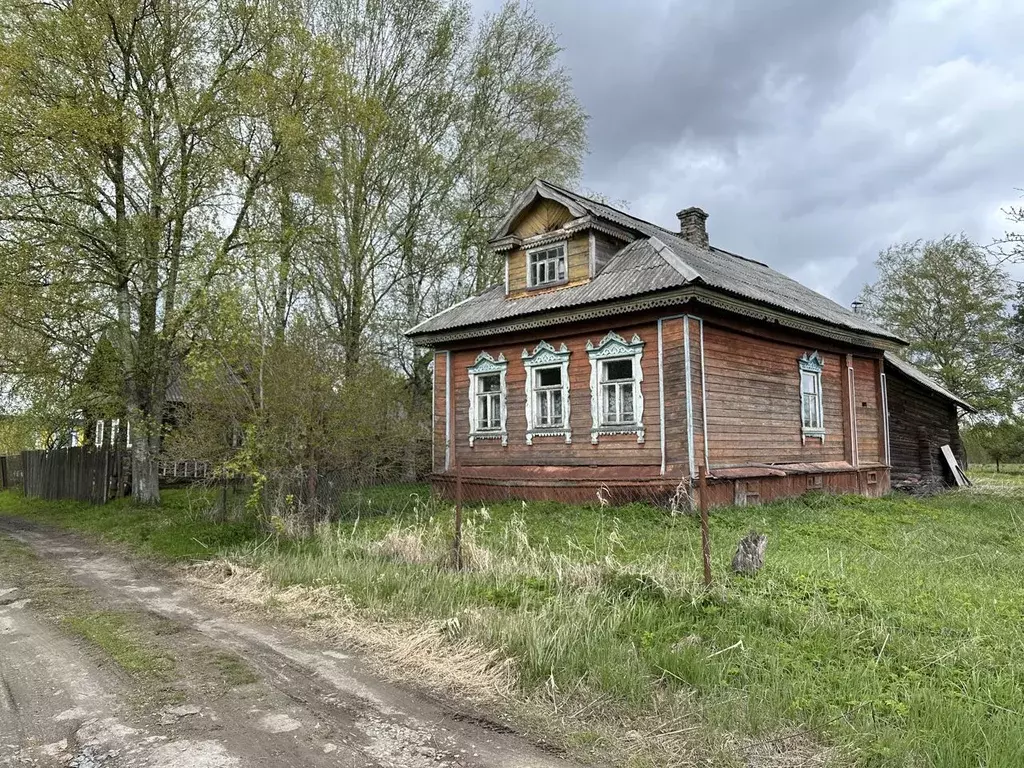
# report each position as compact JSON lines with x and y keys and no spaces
{"x":753,"y":394}
{"x":867,"y":406}
{"x":552,"y":450}
{"x":440,"y":376}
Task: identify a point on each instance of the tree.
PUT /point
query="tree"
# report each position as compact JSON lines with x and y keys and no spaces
{"x":998,"y":442}
{"x":132,"y":150}
{"x":950,"y":303}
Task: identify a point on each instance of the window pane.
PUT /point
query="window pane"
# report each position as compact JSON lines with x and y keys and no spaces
{"x":618,"y":370}
{"x":556,"y":407}
{"x":490,"y":383}
{"x":549,"y":377}
{"x":627,"y":401}
{"x":611,"y":409}
{"x":481,"y":413}
{"x":543,"y":410}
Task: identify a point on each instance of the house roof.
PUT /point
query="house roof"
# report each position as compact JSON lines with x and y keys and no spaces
{"x":657,"y":261}
{"x":918,"y":376}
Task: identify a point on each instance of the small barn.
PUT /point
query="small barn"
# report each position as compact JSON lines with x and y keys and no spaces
{"x":923,"y":417}
{"x":618,"y":357}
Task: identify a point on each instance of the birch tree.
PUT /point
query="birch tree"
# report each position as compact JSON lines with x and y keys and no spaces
{"x":131,"y":154}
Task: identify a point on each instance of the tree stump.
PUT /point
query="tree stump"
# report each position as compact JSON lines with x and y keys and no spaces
{"x":749,"y":557}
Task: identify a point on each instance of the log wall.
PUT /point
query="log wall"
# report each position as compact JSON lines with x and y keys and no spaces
{"x":920,"y":423}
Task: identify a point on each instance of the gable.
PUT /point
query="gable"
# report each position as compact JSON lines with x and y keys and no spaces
{"x":541,"y":217}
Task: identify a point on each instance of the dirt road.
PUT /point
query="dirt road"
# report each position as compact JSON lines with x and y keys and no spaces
{"x":106,"y":663}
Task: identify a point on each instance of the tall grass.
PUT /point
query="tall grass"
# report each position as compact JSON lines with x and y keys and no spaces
{"x":892,"y":627}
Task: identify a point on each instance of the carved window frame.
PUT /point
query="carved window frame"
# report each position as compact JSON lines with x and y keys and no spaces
{"x":811,"y":365}
{"x":486,"y":365}
{"x":546,"y":356}
{"x":614,"y":347}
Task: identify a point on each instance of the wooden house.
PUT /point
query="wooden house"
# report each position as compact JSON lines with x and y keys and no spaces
{"x":617,"y":357}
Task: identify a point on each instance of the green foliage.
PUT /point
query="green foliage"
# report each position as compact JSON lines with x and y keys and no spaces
{"x":950,"y":303}
{"x":891,"y":627}
{"x":996,"y":443}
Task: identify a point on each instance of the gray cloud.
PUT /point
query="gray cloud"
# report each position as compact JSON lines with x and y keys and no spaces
{"x":814,"y":133}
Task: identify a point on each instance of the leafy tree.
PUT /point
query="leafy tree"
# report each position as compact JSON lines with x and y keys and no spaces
{"x":951,"y":304}
{"x":133,"y":146}
{"x":1000,"y":442}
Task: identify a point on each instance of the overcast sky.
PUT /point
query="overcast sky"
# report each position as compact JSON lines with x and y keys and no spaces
{"x":814,"y":132}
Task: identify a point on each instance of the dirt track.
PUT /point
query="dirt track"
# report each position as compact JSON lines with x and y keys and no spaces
{"x":241,"y":694}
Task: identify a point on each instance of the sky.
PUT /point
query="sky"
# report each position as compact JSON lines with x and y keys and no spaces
{"x":814,"y":133}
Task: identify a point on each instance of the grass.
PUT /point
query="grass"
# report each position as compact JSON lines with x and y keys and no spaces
{"x":118,"y":635}
{"x":890,"y":629}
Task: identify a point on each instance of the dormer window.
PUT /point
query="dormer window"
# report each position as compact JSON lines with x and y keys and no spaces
{"x":546,"y":266}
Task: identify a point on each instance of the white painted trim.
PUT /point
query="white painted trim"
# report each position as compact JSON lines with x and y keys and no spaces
{"x":506,"y":275}
{"x":99,"y":433}
{"x":704,"y":398}
{"x":484,"y":365}
{"x":614,"y":346}
{"x":853,"y":414}
{"x":447,"y":410}
{"x":593,"y":255}
{"x":546,"y":356}
{"x":661,"y":394}
{"x":689,"y":397}
{"x":433,"y":410}
{"x":885,"y":417}
{"x":128,"y":437}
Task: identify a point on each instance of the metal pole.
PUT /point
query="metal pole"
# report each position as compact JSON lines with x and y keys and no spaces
{"x":705,"y":539}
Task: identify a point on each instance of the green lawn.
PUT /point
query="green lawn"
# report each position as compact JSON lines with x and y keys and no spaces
{"x":892,"y":629}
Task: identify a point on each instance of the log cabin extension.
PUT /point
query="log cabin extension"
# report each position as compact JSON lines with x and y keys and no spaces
{"x":618,"y":357}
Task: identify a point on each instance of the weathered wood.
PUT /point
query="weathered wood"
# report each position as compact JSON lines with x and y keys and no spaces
{"x":920,"y":423}
{"x":749,"y":557}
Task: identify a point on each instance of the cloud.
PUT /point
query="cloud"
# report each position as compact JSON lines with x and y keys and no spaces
{"x":815,"y":134}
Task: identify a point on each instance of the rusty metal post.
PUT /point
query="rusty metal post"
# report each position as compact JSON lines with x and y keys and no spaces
{"x":457,"y":543}
{"x":705,"y":538}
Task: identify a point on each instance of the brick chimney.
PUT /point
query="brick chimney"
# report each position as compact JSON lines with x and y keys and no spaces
{"x":693,"y":226}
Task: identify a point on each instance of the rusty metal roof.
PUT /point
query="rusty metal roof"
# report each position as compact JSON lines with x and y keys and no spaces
{"x":659,"y":260}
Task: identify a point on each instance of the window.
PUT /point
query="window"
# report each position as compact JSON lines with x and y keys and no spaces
{"x":617,"y":392}
{"x":99,"y":433}
{"x":487,"y":399}
{"x":811,"y":412}
{"x":127,"y":434}
{"x":546,"y":266}
{"x":616,"y":375}
{"x":547,"y":392}
{"x":488,"y":402}
{"x":115,"y":429}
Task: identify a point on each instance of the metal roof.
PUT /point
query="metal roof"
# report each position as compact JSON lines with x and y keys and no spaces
{"x":658,"y":261}
{"x":917,"y":375}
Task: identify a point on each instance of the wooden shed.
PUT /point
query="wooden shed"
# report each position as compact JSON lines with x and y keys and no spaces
{"x":923,"y":417}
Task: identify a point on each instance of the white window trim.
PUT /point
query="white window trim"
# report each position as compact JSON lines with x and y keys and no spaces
{"x":485,"y":364}
{"x":812,"y":364}
{"x":99,"y":433}
{"x":546,"y":356}
{"x":127,"y":434}
{"x":613,"y":347}
{"x":564,"y":245}
{"x":115,"y":429}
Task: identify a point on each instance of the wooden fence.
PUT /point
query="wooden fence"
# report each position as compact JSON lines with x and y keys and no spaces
{"x":90,"y":474}
{"x":11,"y":475}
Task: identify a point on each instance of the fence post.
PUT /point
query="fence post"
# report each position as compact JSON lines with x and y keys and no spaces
{"x":457,"y":543}
{"x":705,"y":538}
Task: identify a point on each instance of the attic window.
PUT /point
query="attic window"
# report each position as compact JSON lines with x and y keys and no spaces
{"x":546,"y":266}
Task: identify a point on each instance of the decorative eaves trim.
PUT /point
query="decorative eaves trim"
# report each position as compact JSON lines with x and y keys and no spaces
{"x":654,"y":301}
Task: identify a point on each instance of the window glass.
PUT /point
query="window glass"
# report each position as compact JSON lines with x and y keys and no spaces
{"x":549,"y":377}
{"x":616,"y":370}
{"x":547,"y":266}
{"x":490,"y":383}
